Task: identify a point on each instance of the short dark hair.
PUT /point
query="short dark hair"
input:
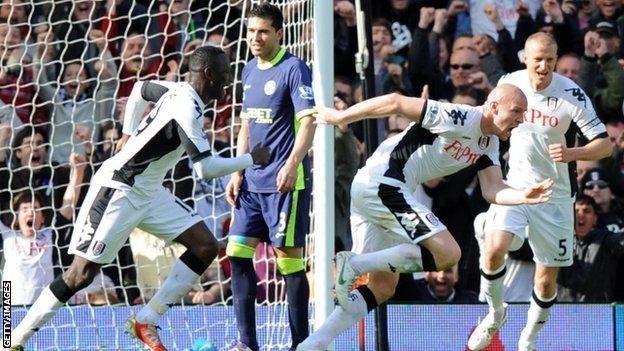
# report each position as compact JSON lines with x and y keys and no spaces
{"x":583,"y":199}
{"x":203,"y":57}
{"x":28,"y":131}
{"x":382,"y":22}
{"x":269,"y":12}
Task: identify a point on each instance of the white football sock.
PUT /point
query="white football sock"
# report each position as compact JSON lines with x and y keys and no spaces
{"x":179,"y":282}
{"x":536,"y":317}
{"x":493,"y":289}
{"x":338,"y":321}
{"x":404,"y":258}
{"x":45,"y":308}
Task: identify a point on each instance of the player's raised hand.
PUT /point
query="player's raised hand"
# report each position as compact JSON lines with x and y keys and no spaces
{"x":539,"y":193}
{"x":327,"y":116}
{"x":233,"y":187}
{"x":559,"y":153}
{"x":260,"y":154}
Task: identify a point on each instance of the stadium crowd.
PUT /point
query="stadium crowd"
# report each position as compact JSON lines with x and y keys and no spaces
{"x":68,"y":67}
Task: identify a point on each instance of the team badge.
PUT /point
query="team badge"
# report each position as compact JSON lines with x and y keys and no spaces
{"x":269,"y":87}
{"x":552,"y":103}
{"x":484,"y":142}
{"x":98,"y":248}
{"x":432,"y":219}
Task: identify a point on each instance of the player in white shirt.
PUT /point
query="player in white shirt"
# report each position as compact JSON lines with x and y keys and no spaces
{"x":392,"y":232}
{"x":127,"y":192}
{"x":543,"y":146}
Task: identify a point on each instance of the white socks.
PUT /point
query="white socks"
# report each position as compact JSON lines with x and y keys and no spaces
{"x":179,"y":282}
{"x":404,"y":258}
{"x":537,"y":317}
{"x":45,"y":308}
{"x":493,"y":289}
{"x":338,"y":321}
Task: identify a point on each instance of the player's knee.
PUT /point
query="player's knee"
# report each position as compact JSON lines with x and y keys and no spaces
{"x":80,"y":275}
{"x":495,"y":254}
{"x":450,"y":257}
{"x":546,"y":288}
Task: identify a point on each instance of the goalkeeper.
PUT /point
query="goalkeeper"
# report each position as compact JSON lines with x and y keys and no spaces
{"x":272,"y":202}
{"x":127,"y":192}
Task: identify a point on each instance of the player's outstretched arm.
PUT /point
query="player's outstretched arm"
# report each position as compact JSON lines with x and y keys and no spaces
{"x":385,"y":105}
{"x":594,"y":150}
{"x":214,"y":167}
{"x":497,"y":192}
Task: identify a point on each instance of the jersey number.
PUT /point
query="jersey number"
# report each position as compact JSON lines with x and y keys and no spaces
{"x":562,"y":247}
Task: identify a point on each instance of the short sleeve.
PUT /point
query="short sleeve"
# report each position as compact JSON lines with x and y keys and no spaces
{"x":441,"y":117}
{"x":490,"y":157}
{"x":191,"y":133}
{"x":584,"y":115}
{"x":301,"y":93}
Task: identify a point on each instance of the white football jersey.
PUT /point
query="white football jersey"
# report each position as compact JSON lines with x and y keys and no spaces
{"x":174,"y":125}
{"x":28,"y":264}
{"x":554,"y":115}
{"x":414,"y":156}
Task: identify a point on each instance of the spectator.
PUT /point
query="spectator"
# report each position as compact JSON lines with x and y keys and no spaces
{"x":497,"y":53}
{"x":81,"y":101}
{"x":137,"y":62}
{"x":569,"y":65}
{"x":28,"y":168}
{"x":466,"y":72}
{"x":389,"y":69}
{"x":345,"y":39}
{"x":440,"y":287}
{"x":402,"y":21}
{"x":28,"y":246}
{"x":582,"y":167}
{"x":587,"y":10}
{"x":608,"y":10}
{"x":187,"y":26}
{"x":614,"y":165}
{"x":610,"y":208}
{"x":592,"y":276}
{"x":600,"y":74}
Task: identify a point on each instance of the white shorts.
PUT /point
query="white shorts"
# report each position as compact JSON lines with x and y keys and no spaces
{"x":384,"y":216}
{"x":107,"y":217}
{"x":548,"y":226}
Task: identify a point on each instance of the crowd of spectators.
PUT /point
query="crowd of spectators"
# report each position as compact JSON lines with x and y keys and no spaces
{"x":68,"y":67}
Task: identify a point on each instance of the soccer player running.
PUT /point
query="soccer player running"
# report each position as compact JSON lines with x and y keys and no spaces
{"x":272,"y":202}
{"x":543,"y":146}
{"x":127,"y":192}
{"x":392,"y":232}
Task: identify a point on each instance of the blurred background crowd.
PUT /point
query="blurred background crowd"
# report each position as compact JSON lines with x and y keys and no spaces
{"x":68,"y":67}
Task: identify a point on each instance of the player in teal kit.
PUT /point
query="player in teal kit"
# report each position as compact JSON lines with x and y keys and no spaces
{"x":272,"y":202}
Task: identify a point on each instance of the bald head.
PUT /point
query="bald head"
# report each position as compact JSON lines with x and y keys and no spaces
{"x":540,"y":39}
{"x":506,"y":94}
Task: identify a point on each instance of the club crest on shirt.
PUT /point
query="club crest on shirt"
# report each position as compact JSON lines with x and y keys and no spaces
{"x":484,"y":142}
{"x":269,"y":87}
{"x":552,"y":103}
{"x":98,"y":248}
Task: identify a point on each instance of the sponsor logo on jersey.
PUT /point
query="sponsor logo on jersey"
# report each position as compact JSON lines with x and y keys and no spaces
{"x":552,"y":103}
{"x":270,"y":87}
{"x":410,"y":222}
{"x":578,"y":94}
{"x":306,"y":92}
{"x":461,"y":152}
{"x":458,"y":116}
{"x":484,"y":142}
{"x":539,"y":118}
{"x":98,"y":248}
{"x":260,"y":115}
{"x":432,"y":219}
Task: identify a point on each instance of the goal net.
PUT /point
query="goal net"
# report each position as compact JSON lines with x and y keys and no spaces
{"x":67,"y":69}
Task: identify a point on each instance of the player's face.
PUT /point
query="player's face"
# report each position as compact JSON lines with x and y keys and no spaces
{"x":29,"y":218}
{"x":508,"y":116}
{"x":263,"y":38}
{"x":218,"y":78}
{"x":585,"y":219}
{"x":540,"y":60}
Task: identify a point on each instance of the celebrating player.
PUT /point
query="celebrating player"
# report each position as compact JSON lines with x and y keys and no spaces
{"x":392,"y":232}
{"x":272,"y":202}
{"x":543,"y":146}
{"x":127,"y":192}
